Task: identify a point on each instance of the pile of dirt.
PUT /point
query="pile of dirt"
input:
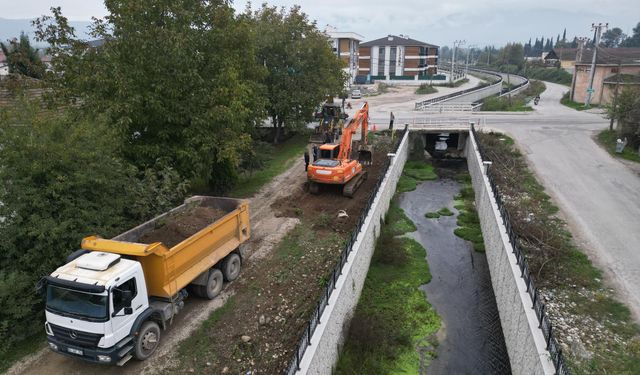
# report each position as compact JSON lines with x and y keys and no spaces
{"x":178,"y":227}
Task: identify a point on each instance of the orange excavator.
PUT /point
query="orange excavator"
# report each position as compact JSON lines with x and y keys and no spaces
{"x":335,"y":166}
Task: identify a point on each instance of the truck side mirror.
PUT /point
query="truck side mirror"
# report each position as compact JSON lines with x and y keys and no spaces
{"x":128,"y":311}
{"x":41,"y":287}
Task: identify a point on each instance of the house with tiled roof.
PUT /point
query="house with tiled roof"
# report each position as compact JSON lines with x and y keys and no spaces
{"x":397,"y":58}
{"x":614,"y":67}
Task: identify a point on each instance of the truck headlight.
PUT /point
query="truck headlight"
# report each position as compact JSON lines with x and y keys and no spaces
{"x":53,"y":346}
{"x":104,"y":358}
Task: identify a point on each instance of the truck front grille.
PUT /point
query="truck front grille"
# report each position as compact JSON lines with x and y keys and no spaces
{"x":76,"y":338}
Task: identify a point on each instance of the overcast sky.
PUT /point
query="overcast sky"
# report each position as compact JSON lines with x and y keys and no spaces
{"x":439,"y":22}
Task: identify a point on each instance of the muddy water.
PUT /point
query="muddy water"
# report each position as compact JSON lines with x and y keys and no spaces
{"x":470,"y":340}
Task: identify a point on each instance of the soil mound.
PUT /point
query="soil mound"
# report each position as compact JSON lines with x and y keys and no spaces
{"x":180,"y":226}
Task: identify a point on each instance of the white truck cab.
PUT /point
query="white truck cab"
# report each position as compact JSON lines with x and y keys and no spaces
{"x":93,"y":308}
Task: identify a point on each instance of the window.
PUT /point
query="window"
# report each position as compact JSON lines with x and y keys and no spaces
{"x":118,"y":296}
{"x":381,"y":54}
{"x":69,"y":302}
{"x":392,"y":61}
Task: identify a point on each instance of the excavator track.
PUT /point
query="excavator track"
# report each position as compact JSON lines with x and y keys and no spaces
{"x":353,"y":185}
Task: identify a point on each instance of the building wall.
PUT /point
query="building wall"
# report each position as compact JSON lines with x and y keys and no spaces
{"x":409,"y":61}
{"x":601,"y":95}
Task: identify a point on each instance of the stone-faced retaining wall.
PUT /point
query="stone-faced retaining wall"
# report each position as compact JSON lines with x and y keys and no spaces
{"x":524,"y":340}
{"x":327,"y":340}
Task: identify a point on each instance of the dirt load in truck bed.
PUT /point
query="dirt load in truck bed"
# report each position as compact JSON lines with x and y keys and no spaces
{"x":177,"y":227}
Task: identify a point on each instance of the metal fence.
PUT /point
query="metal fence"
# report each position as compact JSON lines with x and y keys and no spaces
{"x":305,"y":340}
{"x":543,"y":319}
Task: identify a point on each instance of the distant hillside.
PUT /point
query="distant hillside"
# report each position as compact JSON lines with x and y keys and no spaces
{"x":11,"y":28}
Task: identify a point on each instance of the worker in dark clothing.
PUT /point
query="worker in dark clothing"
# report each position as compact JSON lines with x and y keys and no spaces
{"x":315,"y":153}
{"x":306,"y":160}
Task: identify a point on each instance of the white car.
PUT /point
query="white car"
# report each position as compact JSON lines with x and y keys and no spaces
{"x":356,"y":94}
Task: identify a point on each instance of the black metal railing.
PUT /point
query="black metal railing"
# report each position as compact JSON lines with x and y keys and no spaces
{"x":537,"y":305}
{"x":314,"y":320}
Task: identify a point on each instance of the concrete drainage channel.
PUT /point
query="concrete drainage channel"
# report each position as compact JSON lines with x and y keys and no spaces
{"x":526,"y":343}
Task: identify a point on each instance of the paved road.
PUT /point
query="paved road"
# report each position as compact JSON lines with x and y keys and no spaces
{"x":598,"y":195}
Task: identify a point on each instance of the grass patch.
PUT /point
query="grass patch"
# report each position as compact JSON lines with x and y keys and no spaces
{"x":607,"y":138}
{"x":501,"y":104}
{"x":468,"y":220}
{"x":21,"y":349}
{"x":425,"y":89}
{"x":432,"y":215}
{"x":392,"y":312}
{"x":444,"y":211}
{"x":397,"y":222}
{"x":419,"y":170}
{"x":406,"y":183}
{"x":566,"y":101}
{"x":457,"y":83}
{"x":277,"y":159}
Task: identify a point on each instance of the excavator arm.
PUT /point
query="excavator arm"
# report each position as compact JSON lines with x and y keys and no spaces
{"x":361,"y":119}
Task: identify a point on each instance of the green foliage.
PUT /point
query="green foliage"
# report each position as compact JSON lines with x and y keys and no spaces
{"x":22,"y":58}
{"x":457,"y":83}
{"x":468,"y":220}
{"x":426,"y":89}
{"x":406,"y":183}
{"x":419,"y":170}
{"x":392,"y":311}
{"x":634,"y":39}
{"x":432,"y":215}
{"x":171,"y":78}
{"x":501,"y":104}
{"x":301,"y":67}
{"x":445,"y":211}
{"x":62,"y":179}
{"x":397,"y":222}
{"x":274,"y":159}
{"x":512,"y":54}
{"x":627,"y":111}
{"x":556,"y":75}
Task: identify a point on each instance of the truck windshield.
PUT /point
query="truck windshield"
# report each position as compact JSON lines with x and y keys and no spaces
{"x":80,"y":304}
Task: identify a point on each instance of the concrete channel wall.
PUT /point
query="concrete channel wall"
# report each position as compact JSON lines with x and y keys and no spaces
{"x":327,"y":340}
{"x":524,"y":339}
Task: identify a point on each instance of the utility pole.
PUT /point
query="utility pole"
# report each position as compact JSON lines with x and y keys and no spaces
{"x":466,"y":65}
{"x":456,"y":44}
{"x":615,"y":96}
{"x":598,"y":31}
{"x":489,"y":56}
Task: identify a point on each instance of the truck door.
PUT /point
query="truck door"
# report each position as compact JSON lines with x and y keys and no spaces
{"x":126,"y":301}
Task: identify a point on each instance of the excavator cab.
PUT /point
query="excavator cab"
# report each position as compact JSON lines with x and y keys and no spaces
{"x":329,"y":151}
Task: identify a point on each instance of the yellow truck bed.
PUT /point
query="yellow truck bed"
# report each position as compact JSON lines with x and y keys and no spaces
{"x":167,"y":270}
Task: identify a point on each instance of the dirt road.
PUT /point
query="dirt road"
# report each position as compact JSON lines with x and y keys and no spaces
{"x":267,"y":230}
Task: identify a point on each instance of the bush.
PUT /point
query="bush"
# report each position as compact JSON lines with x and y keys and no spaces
{"x":62,"y":179}
{"x":556,"y":75}
{"x":426,"y":89}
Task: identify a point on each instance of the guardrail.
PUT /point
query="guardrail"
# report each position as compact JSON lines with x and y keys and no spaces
{"x":544,"y":323}
{"x":304,"y":342}
{"x":429,"y":102}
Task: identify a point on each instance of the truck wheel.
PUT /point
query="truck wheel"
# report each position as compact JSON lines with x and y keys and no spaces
{"x":214,"y":284}
{"x":148,"y":340}
{"x":231,"y":267}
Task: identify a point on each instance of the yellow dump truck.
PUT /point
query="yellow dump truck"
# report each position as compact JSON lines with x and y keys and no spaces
{"x":111,"y":299}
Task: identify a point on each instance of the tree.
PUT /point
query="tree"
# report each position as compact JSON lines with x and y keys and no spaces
{"x":627,"y":112}
{"x":564,"y":35}
{"x":634,"y":39}
{"x":612,"y":37}
{"x":513,"y":54}
{"x":61,"y":179}
{"x":302,"y":69}
{"x":22,"y":58}
{"x":178,"y":80}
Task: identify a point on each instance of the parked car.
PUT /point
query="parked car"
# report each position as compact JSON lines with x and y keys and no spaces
{"x":356,"y":94}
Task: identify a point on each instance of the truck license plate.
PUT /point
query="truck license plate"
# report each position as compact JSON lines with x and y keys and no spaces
{"x":75,"y":351}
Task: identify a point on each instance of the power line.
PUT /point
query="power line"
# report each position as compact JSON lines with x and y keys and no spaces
{"x":598,"y":31}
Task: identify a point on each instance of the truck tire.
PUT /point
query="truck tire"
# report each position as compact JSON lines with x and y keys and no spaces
{"x":214,"y":284}
{"x":147,"y":341}
{"x":231,"y":267}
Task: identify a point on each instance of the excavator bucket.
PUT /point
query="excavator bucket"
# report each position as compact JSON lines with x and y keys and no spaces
{"x":365,"y":154}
